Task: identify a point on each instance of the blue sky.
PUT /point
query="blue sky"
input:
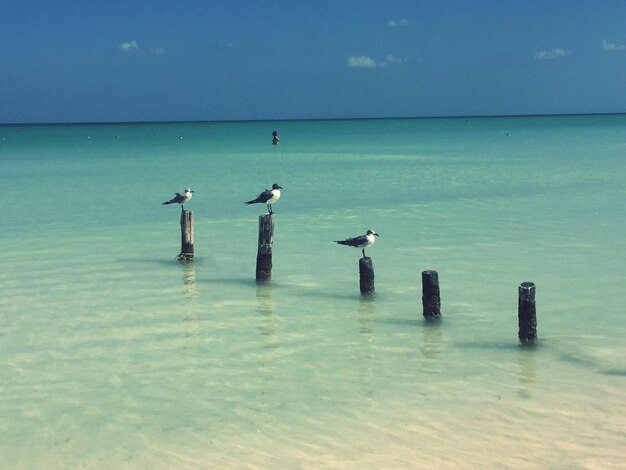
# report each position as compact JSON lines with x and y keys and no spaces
{"x":140,"y":60}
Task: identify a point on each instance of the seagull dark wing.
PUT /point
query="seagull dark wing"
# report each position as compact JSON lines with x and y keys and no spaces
{"x":265,"y":196}
{"x":356,"y":241}
{"x":360,"y":240}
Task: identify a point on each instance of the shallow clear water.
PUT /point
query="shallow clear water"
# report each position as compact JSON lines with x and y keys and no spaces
{"x":116,"y":355}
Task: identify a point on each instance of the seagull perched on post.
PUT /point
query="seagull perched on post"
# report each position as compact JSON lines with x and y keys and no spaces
{"x":362,"y":241}
{"x":269,"y":197}
{"x":180,"y":198}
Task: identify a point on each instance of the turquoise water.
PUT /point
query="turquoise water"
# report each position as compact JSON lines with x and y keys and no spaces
{"x":115,"y":355}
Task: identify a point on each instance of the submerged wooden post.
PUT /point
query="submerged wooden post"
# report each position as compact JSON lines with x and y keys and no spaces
{"x":264,"y":253}
{"x":527,"y":313}
{"x":186,"y":235}
{"x":366,"y":275}
{"x":431,"y":302}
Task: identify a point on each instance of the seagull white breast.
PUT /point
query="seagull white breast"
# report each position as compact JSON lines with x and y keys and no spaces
{"x":275,"y":196}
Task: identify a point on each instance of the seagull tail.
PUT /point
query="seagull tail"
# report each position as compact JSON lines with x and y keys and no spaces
{"x":254,"y":201}
{"x":341,"y":242}
{"x":167,"y":202}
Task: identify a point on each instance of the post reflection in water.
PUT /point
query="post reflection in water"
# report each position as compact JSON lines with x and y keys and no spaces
{"x":190,"y":315}
{"x":363,"y":352}
{"x":430,"y":346}
{"x":527,"y":370}
{"x":267,"y":319}
{"x":189,"y":280}
{"x":269,"y":350}
{"x":365,"y":315}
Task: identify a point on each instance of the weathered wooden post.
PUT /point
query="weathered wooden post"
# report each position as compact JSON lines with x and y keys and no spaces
{"x":527,"y":313}
{"x":431,"y":301}
{"x":186,"y":235}
{"x":366,"y":275}
{"x":264,"y":253}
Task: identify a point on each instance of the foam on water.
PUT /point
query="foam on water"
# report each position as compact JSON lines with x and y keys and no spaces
{"x":114,"y":354}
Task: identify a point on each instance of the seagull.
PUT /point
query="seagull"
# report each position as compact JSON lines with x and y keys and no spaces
{"x":269,"y":197}
{"x":362,"y":241}
{"x":180,"y":198}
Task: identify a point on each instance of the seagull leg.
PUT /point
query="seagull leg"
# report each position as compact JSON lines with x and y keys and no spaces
{"x":363,"y":250}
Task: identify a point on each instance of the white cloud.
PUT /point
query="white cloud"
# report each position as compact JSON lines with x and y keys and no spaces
{"x":391,"y":59}
{"x":611,"y":46}
{"x":397,"y":23}
{"x":366,"y":62}
{"x":553,"y":54}
{"x":130,"y":46}
{"x":361,"y":61}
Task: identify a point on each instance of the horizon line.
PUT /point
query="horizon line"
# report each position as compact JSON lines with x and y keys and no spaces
{"x":199,"y":121}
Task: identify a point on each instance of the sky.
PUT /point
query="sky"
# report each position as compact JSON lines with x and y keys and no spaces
{"x":206,"y":60}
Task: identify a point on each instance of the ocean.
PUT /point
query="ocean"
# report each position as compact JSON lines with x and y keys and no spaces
{"x":116,"y":355}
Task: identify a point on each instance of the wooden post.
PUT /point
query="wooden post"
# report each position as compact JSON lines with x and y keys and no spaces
{"x":527,"y":313}
{"x":186,"y":236}
{"x":431,"y":302}
{"x":366,"y":275}
{"x":264,"y":253}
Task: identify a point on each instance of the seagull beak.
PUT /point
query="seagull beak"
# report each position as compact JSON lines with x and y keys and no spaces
{"x":375,"y":234}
